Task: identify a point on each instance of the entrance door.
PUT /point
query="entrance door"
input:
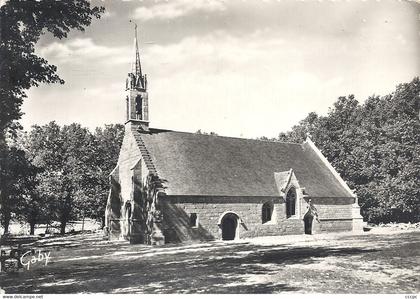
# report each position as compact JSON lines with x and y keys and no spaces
{"x":308,"y":223}
{"x":229,"y":225}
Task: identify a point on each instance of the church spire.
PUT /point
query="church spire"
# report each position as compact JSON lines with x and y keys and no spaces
{"x":137,"y":80}
{"x":137,"y":111}
{"x":137,"y":65}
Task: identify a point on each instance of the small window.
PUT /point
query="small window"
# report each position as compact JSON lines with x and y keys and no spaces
{"x":193,"y":220}
{"x":291,"y":202}
{"x":267,"y":212}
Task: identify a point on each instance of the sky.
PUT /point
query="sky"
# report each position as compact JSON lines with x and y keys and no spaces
{"x":238,"y":68}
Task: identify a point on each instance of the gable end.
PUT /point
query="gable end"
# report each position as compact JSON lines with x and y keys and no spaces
{"x":312,"y":146}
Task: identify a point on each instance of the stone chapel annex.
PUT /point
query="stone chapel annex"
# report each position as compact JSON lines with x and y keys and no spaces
{"x":171,"y":186}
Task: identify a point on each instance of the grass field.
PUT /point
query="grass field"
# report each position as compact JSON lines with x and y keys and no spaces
{"x":384,"y":262}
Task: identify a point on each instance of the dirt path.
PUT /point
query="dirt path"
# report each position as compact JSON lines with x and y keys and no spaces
{"x":337,"y":263}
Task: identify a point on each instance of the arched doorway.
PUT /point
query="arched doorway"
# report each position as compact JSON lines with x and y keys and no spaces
{"x":229,"y":226}
{"x":308,"y":220}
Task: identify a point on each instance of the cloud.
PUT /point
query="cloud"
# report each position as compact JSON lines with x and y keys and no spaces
{"x":108,"y":14}
{"x":177,"y":8}
{"x":90,"y":103}
{"x":218,"y":52}
{"x":257,"y":84}
{"x":235,"y":83}
{"x":84,"y":50}
{"x":216,"y":82}
{"x":219,"y":82}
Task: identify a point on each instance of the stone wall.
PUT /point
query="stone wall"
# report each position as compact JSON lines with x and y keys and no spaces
{"x":129,"y":155}
{"x":127,"y":190}
{"x":333,"y":225}
{"x":157,"y":218}
{"x":334,"y":214}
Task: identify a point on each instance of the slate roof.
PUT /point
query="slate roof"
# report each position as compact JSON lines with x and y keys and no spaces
{"x":196,"y":164}
{"x":282,"y":179}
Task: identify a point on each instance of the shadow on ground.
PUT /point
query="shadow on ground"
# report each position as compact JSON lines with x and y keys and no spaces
{"x":88,"y":264}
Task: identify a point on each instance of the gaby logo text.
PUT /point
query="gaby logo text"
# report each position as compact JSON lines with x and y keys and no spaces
{"x":27,"y":259}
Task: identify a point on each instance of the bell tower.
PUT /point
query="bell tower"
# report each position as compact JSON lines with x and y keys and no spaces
{"x":137,"y":106}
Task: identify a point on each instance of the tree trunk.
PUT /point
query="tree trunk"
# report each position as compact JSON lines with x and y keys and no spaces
{"x":63,"y":227}
{"x":65,"y":214}
{"x":32,"y":228}
{"x":6,"y":225}
{"x":103,"y":222}
{"x":83,"y":223}
{"x":32,"y":219}
{"x":6,"y":222}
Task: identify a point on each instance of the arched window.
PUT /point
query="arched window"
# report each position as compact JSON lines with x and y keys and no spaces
{"x":128,"y":211}
{"x":139,"y":107}
{"x":267,"y":212}
{"x":291,"y":202}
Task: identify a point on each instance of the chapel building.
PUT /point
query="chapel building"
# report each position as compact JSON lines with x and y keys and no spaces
{"x":171,"y":186}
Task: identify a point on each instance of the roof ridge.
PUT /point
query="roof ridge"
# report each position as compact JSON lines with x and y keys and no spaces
{"x":221,"y":136}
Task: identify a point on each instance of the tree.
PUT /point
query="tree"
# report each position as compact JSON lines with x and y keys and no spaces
{"x":100,"y":157}
{"x":17,"y":182}
{"x":298,"y":133}
{"x":78,"y":169}
{"x":74,"y":166}
{"x":64,"y":156}
{"x":31,"y":208}
{"x":44,"y":148}
{"x":376,"y":149}
{"x":389,"y":186}
{"x":22,"y":24}
{"x":107,"y":143}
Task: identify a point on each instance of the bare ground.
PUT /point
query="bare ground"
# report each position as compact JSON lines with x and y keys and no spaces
{"x":381,"y":261}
